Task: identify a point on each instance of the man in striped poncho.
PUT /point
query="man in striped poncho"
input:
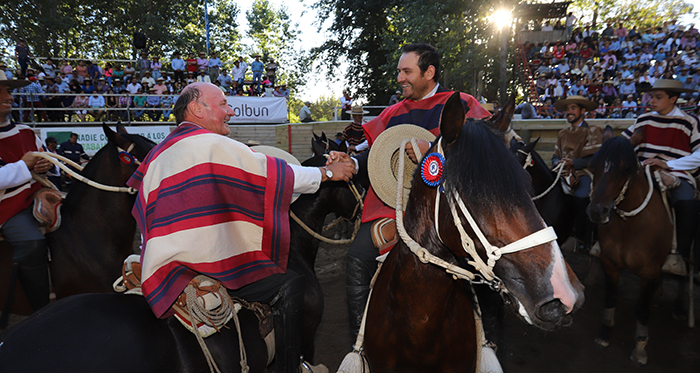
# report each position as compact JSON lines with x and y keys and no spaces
{"x":668,"y":137}
{"x":208,"y":204}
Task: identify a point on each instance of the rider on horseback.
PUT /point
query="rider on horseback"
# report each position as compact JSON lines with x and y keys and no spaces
{"x":575,"y":147}
{"x":17,"y":224}
{"x":418,"y":74}
{"x":209,"y":204}
{"x":669,"y":138}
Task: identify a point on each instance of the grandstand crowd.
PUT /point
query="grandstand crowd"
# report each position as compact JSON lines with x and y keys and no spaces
{"x":613,"y":67}
{"x":147,"y":90}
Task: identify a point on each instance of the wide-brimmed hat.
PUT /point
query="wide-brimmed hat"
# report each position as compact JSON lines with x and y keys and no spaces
{"x":357,"y":110}
{"x":578,"y":100}
{"x":669,"y":85}
{"x":488,"y":106}
{"x":383,"y":161}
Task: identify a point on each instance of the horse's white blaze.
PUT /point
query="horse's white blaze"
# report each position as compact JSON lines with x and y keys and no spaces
{"x":560,"y":280}
{"x":523,"y":312}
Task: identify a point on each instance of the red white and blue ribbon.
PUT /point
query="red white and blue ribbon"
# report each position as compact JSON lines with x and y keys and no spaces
{"x":126,"y":158}
{"x":431,"y":168}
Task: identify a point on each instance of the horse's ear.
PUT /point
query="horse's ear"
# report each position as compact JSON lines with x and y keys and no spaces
{"x":315,"y":136}
{"x":637,"y":137}
{"x":529,"y":147}
{"x":111,"y":135}
{"x":452,"y":118}
{"x":343,"y":146}
{"x":317,"y":148}
{"x":534,"y":143}
{"x":121,"y":129}
{"x":501,"y":120}
{"x":323,"y":137}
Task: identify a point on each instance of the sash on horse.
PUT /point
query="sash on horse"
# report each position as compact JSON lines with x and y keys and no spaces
{"x":222,"y":213}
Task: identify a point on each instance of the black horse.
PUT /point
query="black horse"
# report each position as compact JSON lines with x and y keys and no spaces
{"x":97,"y":229}
{"x":116,"y":332}
{"x":555,"y":206}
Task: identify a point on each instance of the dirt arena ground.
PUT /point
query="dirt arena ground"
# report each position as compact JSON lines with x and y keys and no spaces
{"x":673,"y":347}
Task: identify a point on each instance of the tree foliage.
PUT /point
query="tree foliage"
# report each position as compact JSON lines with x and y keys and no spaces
{"x":642,"y":13}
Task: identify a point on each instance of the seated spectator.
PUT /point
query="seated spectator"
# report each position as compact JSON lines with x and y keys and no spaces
{"x":117,"y":73}
{"x":123,"y":103}
{"x":609,"y":91}
{"x":225,"y":80}
{"x":203,"y":77}
{"x":305,"y":113}
{"x":160,"y":87}
{"x":80,"y":103}
{"x":88,"y":87}
{"x":689,"y":84}
{"x":601,"y":111}
{"x":559,"y":53}
{"x":615,"y":109}
{"x":147,"y":81}
{"x":96,"y":103}
{"x":111,"y":103}
{"x":628,"y":88}
{"x":139,"y":104}
{"x":620,"y":32}
{"x":129,"y":72}
{"x":118,"y":88}
{"x":81,"y":71}
{"x":166,"y":102}
{"x":190,"y":78}
{"x":102,"y":86}
{"x":153,"y":102}
{"x":108,"y":72}
{"x":277,"y":92}
{"x":134,"y":86}
{"x":547,"y":111}
{"x":66,"y":70}
{"x":578,"y":89}
{"x":629,"y":107}
{"x":547,"y":26}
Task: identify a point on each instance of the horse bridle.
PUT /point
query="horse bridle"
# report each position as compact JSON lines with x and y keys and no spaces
{"x":56,"y":160}
{"x":529,"y":162}
{"x":621,"y":196}
{"x":485,"y":273}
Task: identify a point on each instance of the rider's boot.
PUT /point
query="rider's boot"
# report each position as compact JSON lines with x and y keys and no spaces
{"x":583,"y":226}
{"x":687,"y":218}
{"x":288,"y":310}
{"x":357,"y":279}
{"x":33,"y":274}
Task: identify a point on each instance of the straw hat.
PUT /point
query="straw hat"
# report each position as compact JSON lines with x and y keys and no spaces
{"x":12,"y":83}
{"x":272,"y":151}
{"x":488,"y":106}
{"x":670,"y":85}
{"x":384,"y":157}
{"x":357,"y":110}
{"x":579,"y":100}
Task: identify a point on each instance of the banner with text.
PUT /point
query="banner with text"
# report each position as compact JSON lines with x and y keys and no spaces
{"x":93,"y":138}
{"x":258,"y":109}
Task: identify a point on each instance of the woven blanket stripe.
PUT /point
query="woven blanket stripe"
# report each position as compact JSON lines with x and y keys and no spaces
{"x":228,"y":202}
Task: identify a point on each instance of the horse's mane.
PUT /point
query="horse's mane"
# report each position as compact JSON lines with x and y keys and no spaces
{"x":618,"y":155}
{"x":484,"y":171}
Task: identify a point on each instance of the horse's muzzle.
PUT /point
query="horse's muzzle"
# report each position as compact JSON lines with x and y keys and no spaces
{"x":554,"y":313}
{"x":599,"y":213}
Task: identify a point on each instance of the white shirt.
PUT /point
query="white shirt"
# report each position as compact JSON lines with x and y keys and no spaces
{"x":13,"y":174}
{"x":133,"y":88}
{"x":238,"y":72}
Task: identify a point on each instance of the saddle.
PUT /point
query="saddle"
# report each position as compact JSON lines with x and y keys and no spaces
{"x":384,"y":235}
{"x":47,"y":208}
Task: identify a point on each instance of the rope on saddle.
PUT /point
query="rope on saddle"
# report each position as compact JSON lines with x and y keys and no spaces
{"x":216,"y":318}
{"x":54,"y":158}
{"x":321,"y":238}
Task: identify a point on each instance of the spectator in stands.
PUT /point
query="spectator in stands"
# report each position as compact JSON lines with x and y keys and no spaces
{"x":238,"y":73}
{"x":178,"y":66}
{"x":396,"y":97}
{"x":87,"y":86}
{"x":547,"y":111}
{"x":684,"y":74}
{"x":134,"y":86}
{"x":191,"y":63}
{"x":160,"y":87}
{"x":570,"y":21}
{"x":118,"y":88}
{"x":155,"y":67}
{"x":305,"y":113}
{"x":615,"y":109}
{"x":609,"y":91}
{"x":143,"y":65}
{"x":628,"y":88}
{"x":117,"y":72}
{"x":139,"y":104}
{"x":35,"y":99}
{"x":111,"y":104}
{"x":225,"y":80}
{"x":285,"y":91}
{"x":80,"y":103}
{"x":62,"y":85}
{"x":689,"y":84}
{"x":147,"y":81}
{"x":271,"y":70}
{"x":345,"y":105}
{"x":66,"y":70}
{"x":166,"y":102}
{"x":108,"y":71}
{"x":629,"y":107}
{"x":102,"y":86}
{"x":49,"y":68}
{"x":277,"y":92}
{"x":153,"y":102}
{"x":191,"y":78}
{"x":243,"y":64}
{"x":129,"y":72}
{"x":202,"y":62}
{"x":526,"y":110}
{"x":53,"y":102}
{"x":257,"y":67}
{"x":563,"y":67}
{"x":203,"y":77}
{"x":96,"y":103}
{"x":620,"y":32}
{"x":578,"y":89}
{"x":81,"y":71}
{"x":601,"y":111}
{"x":214,"y":66}
{"x":547,"y":26}
{"x":559,"y":53}
{"x":124,"y":102}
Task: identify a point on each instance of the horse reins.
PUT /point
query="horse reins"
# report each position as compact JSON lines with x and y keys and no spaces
{"x":621,"y":196}
{"x":355,"y":213}
{"x":486,"y":274}
{"x":56,"y":160}
{"x":529,"y":163}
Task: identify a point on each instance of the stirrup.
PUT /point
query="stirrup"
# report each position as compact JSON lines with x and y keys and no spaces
{"x":675,"y":265}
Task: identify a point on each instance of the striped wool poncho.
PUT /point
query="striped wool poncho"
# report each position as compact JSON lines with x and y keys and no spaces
{"x":209,"y":205}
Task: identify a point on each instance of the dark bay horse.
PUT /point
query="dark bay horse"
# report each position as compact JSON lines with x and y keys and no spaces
{"x":419,"y":318}
{"x":97,"y":229}
{"x":639,"y":243}
{"x":555,"y":206}
{"x":118,"y":332}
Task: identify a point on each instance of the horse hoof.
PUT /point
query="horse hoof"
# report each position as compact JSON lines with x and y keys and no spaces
{"x":602,"y":342}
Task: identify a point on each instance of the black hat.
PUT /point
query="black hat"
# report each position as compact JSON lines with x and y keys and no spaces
{"x":51,"y":140}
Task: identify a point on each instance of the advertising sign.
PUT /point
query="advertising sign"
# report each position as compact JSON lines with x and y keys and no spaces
{"x":258,"y":109}
{"x":93,"y":138}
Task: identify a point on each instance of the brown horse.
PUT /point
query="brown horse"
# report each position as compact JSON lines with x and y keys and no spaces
{"x":638,"y":242}
{"x":419,"y":318}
